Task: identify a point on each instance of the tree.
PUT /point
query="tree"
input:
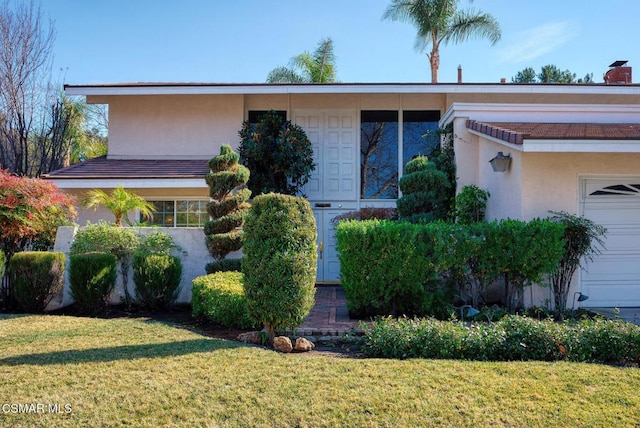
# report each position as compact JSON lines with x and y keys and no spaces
{"x":582,"y":240}
{"x":228,"y":206}
{"x":26,"y":43}
{"x":318,"y":67}
{"x":440,"y":22}
{"x":31,"y":210}
{"x":278,"y":154}
{"x":549,"y":74}
{"x":119,"y":202}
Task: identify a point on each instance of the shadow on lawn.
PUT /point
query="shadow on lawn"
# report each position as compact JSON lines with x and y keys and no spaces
{"x":127,"y":352}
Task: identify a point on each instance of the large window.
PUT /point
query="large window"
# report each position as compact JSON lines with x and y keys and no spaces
{"x":380,"y":134}
{"x":179,"y":213}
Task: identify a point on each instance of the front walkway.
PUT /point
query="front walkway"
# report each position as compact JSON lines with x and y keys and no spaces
{"x":329,"y":316}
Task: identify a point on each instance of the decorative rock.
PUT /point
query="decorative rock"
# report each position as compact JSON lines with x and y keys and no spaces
{"x":282,"y":344}
{"x":304,"y":345}
{"x":254,"y":337}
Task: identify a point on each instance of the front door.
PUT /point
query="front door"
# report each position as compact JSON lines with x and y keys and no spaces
{"x":328,"y":263}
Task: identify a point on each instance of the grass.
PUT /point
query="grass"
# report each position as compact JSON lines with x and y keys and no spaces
{"x":140,"y":372}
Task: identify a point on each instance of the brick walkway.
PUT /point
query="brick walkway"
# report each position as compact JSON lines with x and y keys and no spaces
{"x":329,"y":316}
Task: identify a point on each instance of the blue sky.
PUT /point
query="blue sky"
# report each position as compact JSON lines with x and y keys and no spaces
{"x":113,"y":41}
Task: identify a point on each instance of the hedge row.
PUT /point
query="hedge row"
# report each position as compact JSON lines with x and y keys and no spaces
{"x":514,"y":338}
{"x":37,"y":277}
{"x":397,"y":268}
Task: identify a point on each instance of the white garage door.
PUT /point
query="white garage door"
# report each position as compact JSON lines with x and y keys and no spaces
{"x":613,"y":277}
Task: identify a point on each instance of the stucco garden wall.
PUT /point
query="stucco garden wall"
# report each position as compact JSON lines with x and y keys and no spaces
{"x":194,"y":260}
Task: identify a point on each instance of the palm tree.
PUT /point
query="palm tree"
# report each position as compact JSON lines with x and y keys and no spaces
{"x":318,"y":67}
{"x":119,"y":202}
{"x":440,"y":21}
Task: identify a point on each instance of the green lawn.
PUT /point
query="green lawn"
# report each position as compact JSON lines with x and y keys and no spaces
{"x":121,"y":372}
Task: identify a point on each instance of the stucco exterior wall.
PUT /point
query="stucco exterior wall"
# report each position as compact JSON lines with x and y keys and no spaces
{"x":177,"y":127}
{"x":194,"y":257}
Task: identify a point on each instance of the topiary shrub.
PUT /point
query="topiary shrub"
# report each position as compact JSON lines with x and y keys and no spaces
{"x":157,"y":280}
{"x":228,"y":206}
{"x":36,"y":277}
{"x":220,"y":298}
{"x":423,"y":189}
{"x":105,"y":237}
{"x":278,"y":154}
{"x":92,"y":277}
{"x":280,"y":259}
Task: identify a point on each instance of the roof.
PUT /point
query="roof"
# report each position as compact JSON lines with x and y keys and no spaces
{"x":195,"y":88}
{"x":517,"y":132}
{"x":103,"y":168}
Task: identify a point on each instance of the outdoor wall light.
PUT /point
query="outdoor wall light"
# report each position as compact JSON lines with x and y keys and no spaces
{"x":471,"y":311}
{"x":501,"y":162}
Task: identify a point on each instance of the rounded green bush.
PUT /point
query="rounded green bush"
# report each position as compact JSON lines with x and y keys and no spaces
{"x":92,"y":277}
{"x":224,"y":265}
{"x":220,"y":298}
{"x":36,"y":277}
{"x":157,"y":279}
{"x":280,"y":260}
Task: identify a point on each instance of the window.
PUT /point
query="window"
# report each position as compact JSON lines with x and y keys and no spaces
{"x":380,"y":133}
{"x":254,"y":116}
{"x":379,"y":155}
{"x":179,"y":213}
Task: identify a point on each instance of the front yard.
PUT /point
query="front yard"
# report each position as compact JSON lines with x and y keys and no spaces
{"x":121,"y":372}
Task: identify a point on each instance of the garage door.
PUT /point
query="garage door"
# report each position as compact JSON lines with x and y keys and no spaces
{"x":613,"y":277}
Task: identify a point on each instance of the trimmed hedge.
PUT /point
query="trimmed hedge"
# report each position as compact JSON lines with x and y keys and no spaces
{"x":157,"y":279}
{"x":279,"y":263}
{"x":514,"y":338}
{"x":36,"y":277}
{"x":220,"y":298}
{"x":92,"y":277}
{"x":224,"y":265}
{"x":387,"y":267}
{"x":398,"y":268}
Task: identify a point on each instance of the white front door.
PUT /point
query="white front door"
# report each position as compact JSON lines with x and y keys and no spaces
{"x":332,"y":189}
{"x":333,"y":135}
{"x":613,"y":277}
{"x":328,"y":263}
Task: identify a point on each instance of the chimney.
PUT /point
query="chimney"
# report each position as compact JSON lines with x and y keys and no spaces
{"x":460,"y":74}
{"x":618,"y":74}
{"x":503,"y":80}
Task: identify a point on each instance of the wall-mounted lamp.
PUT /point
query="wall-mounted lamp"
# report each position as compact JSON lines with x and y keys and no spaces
{"x":501,"y":162}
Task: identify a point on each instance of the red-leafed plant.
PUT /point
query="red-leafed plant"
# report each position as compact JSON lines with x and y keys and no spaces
{"x":31,"y":210}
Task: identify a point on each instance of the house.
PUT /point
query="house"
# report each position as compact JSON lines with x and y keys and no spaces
{"x":571,"y":147}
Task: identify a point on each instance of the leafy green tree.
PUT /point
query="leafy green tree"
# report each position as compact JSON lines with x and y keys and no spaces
{"x":441,"y":22}
{"x":278,"y":154}
{"x":119,"y":202}
{"x":316,"y":67}
{"x":31,"y":210}
{"x":549,"y":74}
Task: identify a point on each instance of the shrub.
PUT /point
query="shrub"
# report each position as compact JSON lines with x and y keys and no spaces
{"x":104,"y":237}
{"x":220,"y":298}
{"x":423,"y":189}
{"x":36,"y":277}
{"x":224,"y":265}
{"x":512,"y":338}
{"x":280,"y":259}
{"x":368,"y":213}
{"x":387,"y":268}
{"x":470,"y":204}
{"x":157,"y":279}
{"x":92,"y":277}
{"x":228,"y":207}
{"x":582,"y":240}
{"x":3,"y":262}
{"x":278,"y":154}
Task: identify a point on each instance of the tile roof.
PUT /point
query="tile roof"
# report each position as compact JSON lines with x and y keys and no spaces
{"x":103,"y":168}
{"x":517,"y":132}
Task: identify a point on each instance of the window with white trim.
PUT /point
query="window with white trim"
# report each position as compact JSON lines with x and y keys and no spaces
{"x":178,"y":213}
